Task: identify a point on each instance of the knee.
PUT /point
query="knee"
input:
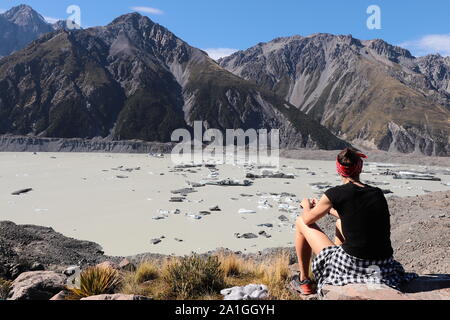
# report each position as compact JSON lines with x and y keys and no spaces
{"x":301,"y":226}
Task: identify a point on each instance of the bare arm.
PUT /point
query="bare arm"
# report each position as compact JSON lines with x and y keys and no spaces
{"x":321,"y":209}
{"x":334,"y":213}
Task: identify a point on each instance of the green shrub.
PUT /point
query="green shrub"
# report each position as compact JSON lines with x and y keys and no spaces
{"x":191,"y":277}
{"x":5,"y":288}
{"x":95,"y":281}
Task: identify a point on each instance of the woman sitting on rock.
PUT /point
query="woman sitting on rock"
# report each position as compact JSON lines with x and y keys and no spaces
{"x":362,"y":251}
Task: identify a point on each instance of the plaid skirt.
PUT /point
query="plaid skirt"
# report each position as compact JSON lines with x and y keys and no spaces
{"x":333,"y":266}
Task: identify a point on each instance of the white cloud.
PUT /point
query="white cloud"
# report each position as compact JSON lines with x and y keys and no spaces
{"x":429,"y":44}
{"x":217,"y":53}
{"x":2,"y":10}
{"x":149,"y":10}
{"x":51,"y":20}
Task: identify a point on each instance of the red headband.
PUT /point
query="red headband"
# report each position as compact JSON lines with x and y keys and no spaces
{"x":351,"y":171}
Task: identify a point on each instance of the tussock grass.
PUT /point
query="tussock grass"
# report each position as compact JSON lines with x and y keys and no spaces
{"x":145,"y":280}
{"x":275,"y":274}
{"x":95,"y":281}
{"x":5,"y":288}
{"x":146,"y":271}
{"x":201,"y":278}
{"x":232,"y":265}
{"x":194,"y":276}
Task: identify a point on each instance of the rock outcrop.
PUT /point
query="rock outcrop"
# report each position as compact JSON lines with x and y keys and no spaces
{"x":21,"y":246}
{"x":116,"y":297}
{"x":9,"y":143}
{"x":37,"y":285}
{"x":249,"y":292}
{"x":436,"y":287}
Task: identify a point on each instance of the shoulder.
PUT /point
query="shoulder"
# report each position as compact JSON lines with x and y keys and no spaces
{"x":376,"y":189}
{"x":335,"y":194}
{"x":339,"y":188}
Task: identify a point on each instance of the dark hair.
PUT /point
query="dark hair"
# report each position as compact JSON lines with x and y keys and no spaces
{"x":349,"y":157}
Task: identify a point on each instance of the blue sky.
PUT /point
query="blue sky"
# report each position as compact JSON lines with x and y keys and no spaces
{"x":227,"y":25}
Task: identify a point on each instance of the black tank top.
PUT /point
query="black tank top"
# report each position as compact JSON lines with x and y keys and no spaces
{"x":365,"y":220}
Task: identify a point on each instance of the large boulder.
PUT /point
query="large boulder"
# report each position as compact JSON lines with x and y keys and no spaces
{"x":116,"y":297}
{"x":127,"y":265}
{"x":37,"y":285}
{"x":30,"y":248}
{"x":108,"y":265}
{"x":430,"y":287}
{"x":61,"y":296}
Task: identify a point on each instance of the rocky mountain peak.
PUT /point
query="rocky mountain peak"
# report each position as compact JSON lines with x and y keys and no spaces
{"x":25,"y":16}
{"x":19,"y":26}
{"x":383,"y":48}
{"x":133,"y":19}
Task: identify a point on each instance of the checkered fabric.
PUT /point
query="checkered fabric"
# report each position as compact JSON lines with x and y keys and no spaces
{"x":335,"y":267}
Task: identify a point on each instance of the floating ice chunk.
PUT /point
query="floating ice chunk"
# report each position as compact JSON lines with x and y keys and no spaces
{"x":228,"y":182}
{"x":246,"y":211}
{"x":194,"y":216}
{"x":283,"y":206}
{"x":264,"y":204}
{"x":40,"y":210}
{"x":156,"y":155}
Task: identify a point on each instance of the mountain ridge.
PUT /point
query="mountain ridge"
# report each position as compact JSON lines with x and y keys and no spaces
{"x":359,"y":90}
{"x":134,"y":79}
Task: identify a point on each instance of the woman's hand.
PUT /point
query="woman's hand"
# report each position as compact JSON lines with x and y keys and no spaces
{"x":314,"y":210}
{"x":306,"y":204}
{"x":309,"y":204}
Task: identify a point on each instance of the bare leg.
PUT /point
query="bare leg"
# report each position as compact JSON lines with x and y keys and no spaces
{"x":309,"y":239}
{"x":304,"y":253}
{"x":339,"y":239}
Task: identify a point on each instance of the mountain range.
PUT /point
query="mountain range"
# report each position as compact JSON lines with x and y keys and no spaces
{"x":134,"y":79}
{"x":369,"y":93}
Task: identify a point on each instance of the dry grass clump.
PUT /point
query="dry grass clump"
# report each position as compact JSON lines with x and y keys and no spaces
{"x":201,"y":278}
{"x":273,"y":272}
{"x":5,"y":288}
{"x":145,"y":281}
{"x":232,"y":265}
{"x":193,"y":277}
{"x":146,"y":271}
{"x":95,"y":281}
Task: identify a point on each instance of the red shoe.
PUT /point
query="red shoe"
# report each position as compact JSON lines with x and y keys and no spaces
{"x":305,"y":287}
